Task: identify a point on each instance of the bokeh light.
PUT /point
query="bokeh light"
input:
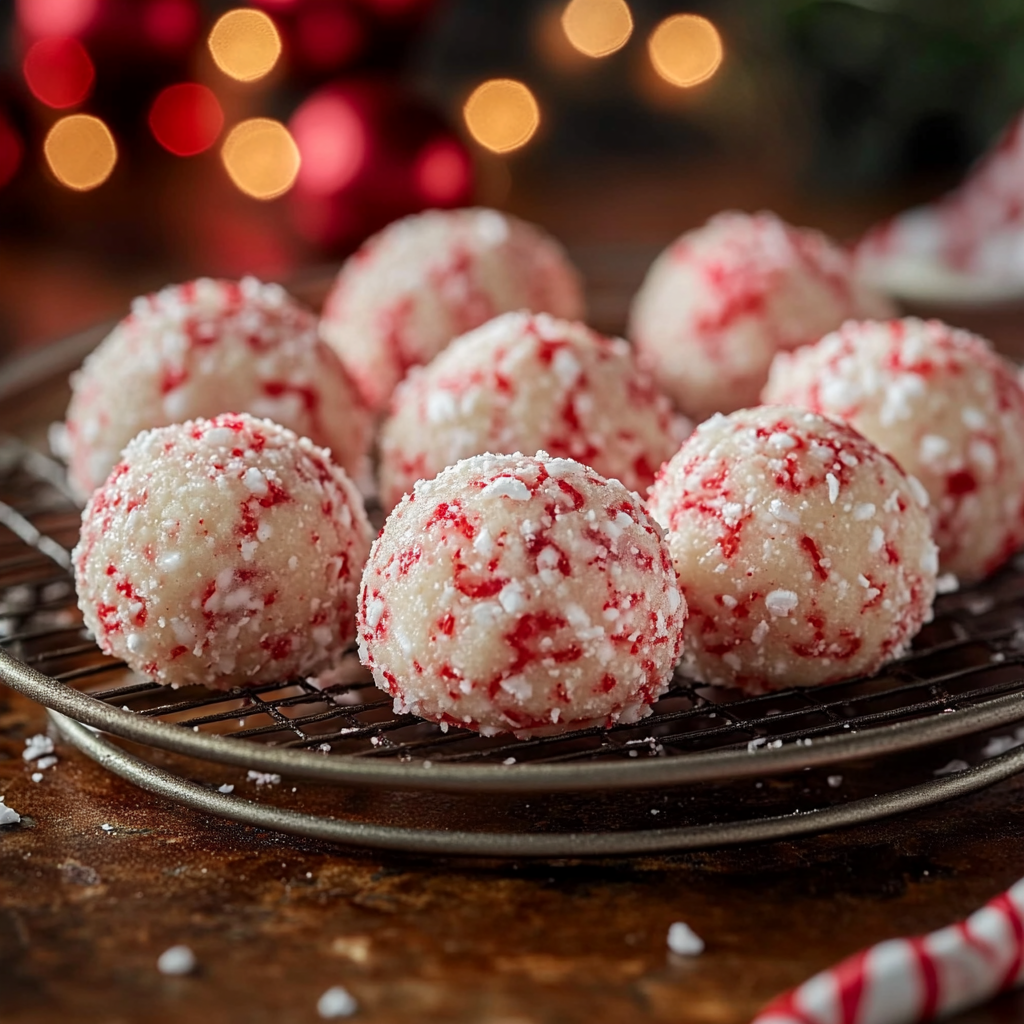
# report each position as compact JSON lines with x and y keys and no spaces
{"x":186,"y":118}
{"x":685,"y":49}
{"x":11,"y":151}
{"x":597,"y":28}
{"x":331,"y":137}
{"x":80,"y":151}
{"x":245,"y":44}
{"x":442,"y":172}
{"x":56,"y":17}
{"x":58,"y":71}
{"x":261,"y":158}
{"x":502,"y":115}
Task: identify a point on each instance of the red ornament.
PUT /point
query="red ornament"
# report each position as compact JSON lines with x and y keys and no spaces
{"x":186,"y":118}
{"x":58,"y":71}
{"x":371,"y":152}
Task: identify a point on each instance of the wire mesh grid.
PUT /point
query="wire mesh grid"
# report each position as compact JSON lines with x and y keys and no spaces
{"x":969,"y":655}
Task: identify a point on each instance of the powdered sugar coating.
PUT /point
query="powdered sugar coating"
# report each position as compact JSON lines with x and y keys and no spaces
{"x":523,"y":382}
{"x":946,"y":406}
{"x":792,"y":580}
{"x":428,"y":278}
{"x":203,"y":348}
{"x":720,"y":301}
{"x":224,"y":552}
{"x":520,"y":593}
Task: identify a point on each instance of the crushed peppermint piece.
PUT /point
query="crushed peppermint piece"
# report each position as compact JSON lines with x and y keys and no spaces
{"x":36,"y":747}
{"x":336,"y":1002}
{"x":683,"y":940}
{"x":264,"y":778}
{"x":227,"y":787}
{"x":954,"y":766}
{"x":781,"y":602}
{"x":834,"y":781}
{"x":177,"y":960}
{"x":833,"y":487}
{"x":8,"y":815}
{"x":947,"y":583}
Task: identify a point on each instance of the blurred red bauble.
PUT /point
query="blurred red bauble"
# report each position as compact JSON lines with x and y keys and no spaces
{"x":186,"y":118}
{"x":58,"y":71}
{"x":371,"y":152}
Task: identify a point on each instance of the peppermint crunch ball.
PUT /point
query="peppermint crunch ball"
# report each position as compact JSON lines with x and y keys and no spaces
{"x":720,"y":301}
{"x":225,"y":552}
{"x":203,"y":348}
{"x":804,"y":553}
{"x":946,"y":406}
{"x":521,"y":593}
{"x":428,"y":278}
{"x":523,"y":382}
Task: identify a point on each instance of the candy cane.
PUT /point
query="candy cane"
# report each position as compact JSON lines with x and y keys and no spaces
{"x":902,"y":981}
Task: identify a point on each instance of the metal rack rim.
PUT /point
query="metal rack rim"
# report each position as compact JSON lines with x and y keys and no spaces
{"x":510,"y":844}
{"x":705,"y":766}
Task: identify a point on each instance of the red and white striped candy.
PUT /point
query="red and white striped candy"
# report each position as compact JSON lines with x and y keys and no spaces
{"x":902,"y":981}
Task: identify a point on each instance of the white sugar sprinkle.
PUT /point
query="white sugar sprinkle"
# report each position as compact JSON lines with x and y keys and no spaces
{"x":8,"y":815}
{"x":781,"y":602}
{"x":176,"y":960}
{"x":683,"y":940}
{"x":336,"y":1002}
{"x":264,"y":778}
{"x":833,"y":488}
{"x":835,"y":781}
{"x":506,"y":487}
{"x":226,"y":788}
{"x":36,"y":747}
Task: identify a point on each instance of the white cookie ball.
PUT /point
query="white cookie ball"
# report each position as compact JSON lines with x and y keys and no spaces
{"x":428,"y":278}
{"x":203,"y":348}
{"x":225,"y":552}
{"x":946,"y":406}
{"x":719,"y":302}
{"x":523,"y":382}
{"x":520,"y":593}
{"x":804,"y":553}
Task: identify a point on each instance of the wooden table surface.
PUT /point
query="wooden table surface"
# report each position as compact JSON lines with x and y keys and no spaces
{"x":101,"y":877}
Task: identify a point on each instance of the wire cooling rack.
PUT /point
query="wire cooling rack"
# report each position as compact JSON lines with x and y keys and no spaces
{"x":964,"y":676}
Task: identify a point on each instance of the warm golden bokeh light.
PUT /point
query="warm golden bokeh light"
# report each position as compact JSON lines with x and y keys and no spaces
{"x":501,"y":114}
{"x":261,"y":158}
{"x":245,"y":44}
{"x":597,"y":27}
{"x":685,"y":49}
{"x":80,"y":151}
